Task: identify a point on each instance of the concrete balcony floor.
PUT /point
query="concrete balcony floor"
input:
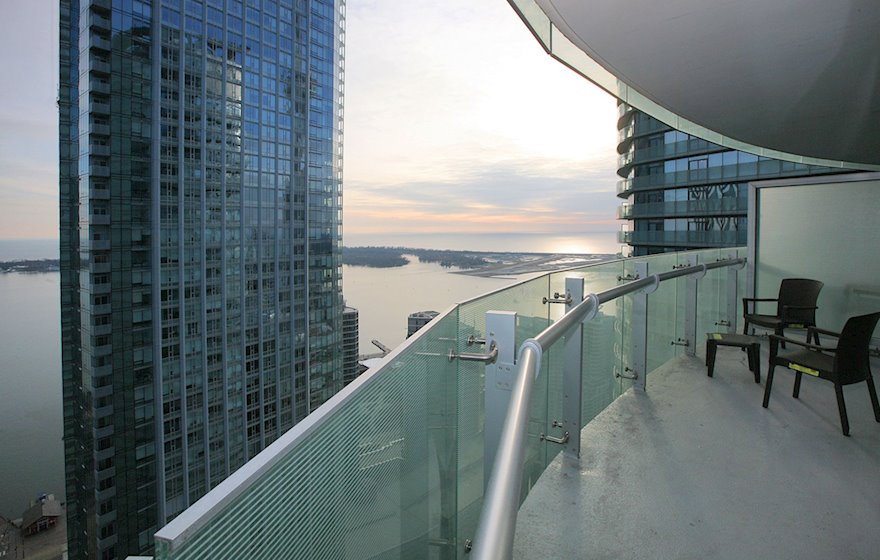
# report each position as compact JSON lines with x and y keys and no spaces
{"x":696,"y":468}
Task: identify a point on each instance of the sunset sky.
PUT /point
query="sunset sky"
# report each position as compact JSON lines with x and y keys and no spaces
{"x":456,"y":121}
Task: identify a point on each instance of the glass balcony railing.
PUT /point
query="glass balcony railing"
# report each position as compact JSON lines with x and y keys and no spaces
{"x":684,"y":239}
{"x":728,"y":206}
{"x":738,"y":172}
{"x":395,"y":465}
{"x":683,"y":148}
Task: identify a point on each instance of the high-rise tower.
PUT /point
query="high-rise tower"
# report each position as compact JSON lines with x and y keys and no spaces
{"x":200,"y":192}
{"x":684,"y":192}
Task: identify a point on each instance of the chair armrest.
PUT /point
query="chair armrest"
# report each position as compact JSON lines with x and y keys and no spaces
{"x":824,"y":331}
{"x":754,"y":300}
{"x":775,"y":339}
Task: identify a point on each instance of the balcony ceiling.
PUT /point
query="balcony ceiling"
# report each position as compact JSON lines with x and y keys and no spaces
{"x":798,"y":76}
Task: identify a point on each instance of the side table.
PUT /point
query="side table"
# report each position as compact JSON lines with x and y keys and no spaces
{"x":751,"y":344}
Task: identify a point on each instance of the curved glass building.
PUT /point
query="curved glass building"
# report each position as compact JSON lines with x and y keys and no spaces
{"x":683,"y":192}
{"x":200,"y":191}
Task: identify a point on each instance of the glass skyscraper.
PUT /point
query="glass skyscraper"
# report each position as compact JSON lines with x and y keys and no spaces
{"x":684,"y":192}
{"x":200,"y":219}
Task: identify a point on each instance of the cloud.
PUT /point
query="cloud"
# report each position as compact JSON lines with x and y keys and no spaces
{"x":500,"y":199}
{"x":456,"y":120}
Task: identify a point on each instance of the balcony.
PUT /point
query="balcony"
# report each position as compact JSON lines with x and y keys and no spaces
{"x":98,"y":170}
{"x":99,"y":108}
{"x":695,"y":468}
{"x":100,"y":43}
{"x":99,"y":66}
{"x":403,"y":445}
{"x":98,"y":85}
{"x":97,"y":21}
{"x":99,"y":150}
{"x":100,"y":4}
{"x":734,"y":173}
{"x":406,"y":450}
{"x":99,"y":129}
{"x":99,"y":244}
{"x":99,"y":193}
{"x":624,"y":113}
{"x":726,"y":206}
{"x":686,"y":239}
{"x":672,"y":150}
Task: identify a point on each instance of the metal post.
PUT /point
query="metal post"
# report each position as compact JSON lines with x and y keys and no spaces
{"x":500,"y":329}
{"x":732,"y":303}
{"x":639,"y":323}
{"x":690,"y":309}
{"x":572,"y":384}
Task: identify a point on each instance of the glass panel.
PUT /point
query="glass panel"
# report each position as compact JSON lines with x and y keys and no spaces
{"x":665,"y":308}
{"x":396,"y":470}
{"x":375,"y":478}
{"x":532,"y":317}
{"x":603,"y":344}
{"x":712,"y":299}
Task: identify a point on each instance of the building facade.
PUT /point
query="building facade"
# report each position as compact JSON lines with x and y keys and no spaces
{"x":350,"y":333}
{"x":200,"y":195}
{"x":684,"y":192}
{"x":417,"y":320}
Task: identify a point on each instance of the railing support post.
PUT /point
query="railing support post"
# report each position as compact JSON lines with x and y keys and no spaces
{"x":572,"y":384}
{"x":640,"y":330}
{"x":690,"y":309}
{"x":500,"y":329}
{"x":732,"y":303}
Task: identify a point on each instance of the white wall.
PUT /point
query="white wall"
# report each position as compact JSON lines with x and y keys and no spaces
{"x":828,"y":231}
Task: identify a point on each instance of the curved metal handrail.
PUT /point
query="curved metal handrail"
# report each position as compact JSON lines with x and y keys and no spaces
{"x":495,"y":531}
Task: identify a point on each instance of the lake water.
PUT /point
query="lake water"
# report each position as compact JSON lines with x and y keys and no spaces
{"x":31,"y":449}
{"x":385,"y":297}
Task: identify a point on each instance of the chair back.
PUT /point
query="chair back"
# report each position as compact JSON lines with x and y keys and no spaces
{"x":851,"y":361}
{"x":800,"y":292}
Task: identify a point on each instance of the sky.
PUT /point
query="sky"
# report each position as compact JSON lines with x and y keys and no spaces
{"x":456,"y":122}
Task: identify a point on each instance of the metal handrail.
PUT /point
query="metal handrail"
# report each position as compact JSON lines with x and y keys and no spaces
{"x":495,"y":532}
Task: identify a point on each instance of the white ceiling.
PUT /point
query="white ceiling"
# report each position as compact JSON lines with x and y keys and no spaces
{"x":798,"y":76}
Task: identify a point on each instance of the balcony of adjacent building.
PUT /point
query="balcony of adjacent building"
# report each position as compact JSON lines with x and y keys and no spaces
{"x":99,"y":84}
{"x":99,"y":43}
{"x":600,"y":372}
{"x":723,"y":206}
{"x":683,"y":239}
{"x":625,"y":113}
{"x":96,"y":21}
{"x":663,"y":149}
{"x":740,"y":167}
{"x":639,"y":125}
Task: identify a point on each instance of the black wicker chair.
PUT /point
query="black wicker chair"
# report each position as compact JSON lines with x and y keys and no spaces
{"x":846,"y":364}
{"x":795,"y":307}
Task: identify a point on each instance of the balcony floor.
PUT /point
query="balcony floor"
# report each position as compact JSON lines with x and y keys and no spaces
{"x":696,"y":468}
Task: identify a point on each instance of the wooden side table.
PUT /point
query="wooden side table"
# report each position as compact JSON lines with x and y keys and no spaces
{"x":751,"y":344}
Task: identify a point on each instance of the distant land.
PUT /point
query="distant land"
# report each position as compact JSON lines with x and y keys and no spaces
{"x":42,"y":265}
{"x":478,"y":263}
{"x":389,"y":257}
